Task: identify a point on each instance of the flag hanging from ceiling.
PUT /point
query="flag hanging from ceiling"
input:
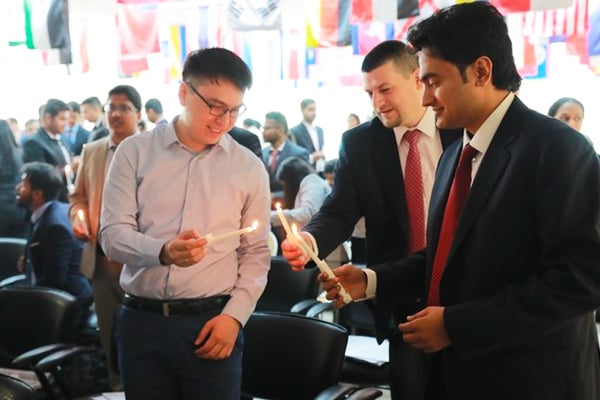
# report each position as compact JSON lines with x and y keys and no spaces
{"x":367,"y":35}
{"x":47,"y":24}
{"x":137,"y":25}
{"x":335,"y":23}
{"x":254,"y":14}
{"x":383,"y":10}
{"x":562,"y":22}
{"x":509,"y":6}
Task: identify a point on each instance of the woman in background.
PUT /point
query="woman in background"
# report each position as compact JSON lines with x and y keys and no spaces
{"x":568,"y":110}
{"x":12,"y":218}
{"x":303,"y":192}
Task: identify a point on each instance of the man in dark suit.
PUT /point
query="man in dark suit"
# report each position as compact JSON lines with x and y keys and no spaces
{"x":53,"y":254}
{"x":275,"y":132}
{"x":306,"y":134}
{"x":247,"y":139}
{"x":46,"y":145}
{"x":75,"y":135}
{"x":370,"y":182}
{"x":511,"y":274}
{"x":94,"y":113}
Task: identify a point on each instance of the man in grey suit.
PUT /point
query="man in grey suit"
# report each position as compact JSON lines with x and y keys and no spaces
{"x":275,"y":132}
{"x":309,"y":136}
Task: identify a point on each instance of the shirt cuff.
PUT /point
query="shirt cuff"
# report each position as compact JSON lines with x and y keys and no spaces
{"x":371,"y":290}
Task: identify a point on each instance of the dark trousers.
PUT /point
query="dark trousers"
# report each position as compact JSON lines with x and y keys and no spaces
{"x":408,"y":374}
{"x":157,"y":360}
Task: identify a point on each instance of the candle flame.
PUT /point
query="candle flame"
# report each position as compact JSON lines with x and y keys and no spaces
{"x":278,"y":205}
{"x":254,"y":225}
{"x":67,"y":169}
{"x":80,"y":214}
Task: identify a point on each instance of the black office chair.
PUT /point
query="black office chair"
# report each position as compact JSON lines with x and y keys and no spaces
{"x":11,"y":249}
{"x":36,"y":323}
{"x":15,"y":389}
{"x":286,"y":287}
{"x":293,"y":357}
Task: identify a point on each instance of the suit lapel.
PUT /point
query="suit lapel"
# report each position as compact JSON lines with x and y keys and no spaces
{"x":387,"y":162}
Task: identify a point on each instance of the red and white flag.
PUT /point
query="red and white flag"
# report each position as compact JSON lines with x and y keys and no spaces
{"x":509,"y":6}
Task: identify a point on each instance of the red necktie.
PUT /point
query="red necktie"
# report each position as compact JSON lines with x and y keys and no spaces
{"x":413,"y":183}
{"x":274,"y":154}
{"x":456,"y":201}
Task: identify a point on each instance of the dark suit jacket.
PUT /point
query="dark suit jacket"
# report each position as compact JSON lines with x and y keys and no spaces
{"x":81,"y":137}
{"x":289,"y":150}
{"x":55,"y":254}
{"x":247,"y":139}
{"x":303,"y":139}
{"x":369,"y":182}
{"x":41,"y":147}
{"x":523,"y":273}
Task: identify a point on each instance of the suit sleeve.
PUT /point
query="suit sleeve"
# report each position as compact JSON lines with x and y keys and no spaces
{"x":566,"y":283}
{"x":58,"y":248}
{"x":32,"y":151}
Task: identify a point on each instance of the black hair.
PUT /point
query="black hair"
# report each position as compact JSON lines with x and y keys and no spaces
{"x":92,"y":101}
{"x":217,"y":63}
{"x":562,"y":101}
{"x":154,"y":104}
{"x":45,"y":177}
{"x":404,"y":57}
{"x":252,"y":122}
{"x":55,"y":106}
{"x":74,"y":107}
{"x":8,"y":156}
{"x":461,"y":33}
{"x":279,"y":118}
{"x":290,"y":173}
{"x":306,"y":102}
{"x":130,"y":92}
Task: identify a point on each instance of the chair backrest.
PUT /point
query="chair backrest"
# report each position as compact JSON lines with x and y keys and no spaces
{"x":290,"y":356}
{"x":10,"y":251}
{"x":15,"y":389}
{"x":34,"y":316}
{"x":286,"y":287}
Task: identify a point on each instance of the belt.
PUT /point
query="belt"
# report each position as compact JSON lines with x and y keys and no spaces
{"x":176,"y":307}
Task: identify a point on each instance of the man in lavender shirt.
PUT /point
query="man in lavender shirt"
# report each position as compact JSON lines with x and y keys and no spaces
{"x":179,"y":333}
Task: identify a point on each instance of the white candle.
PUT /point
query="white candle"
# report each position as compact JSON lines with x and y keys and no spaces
{"x":213,"y":238}
{"x":69,"y":177}
{"x":81,"y":217}
{"x":322,"y":265}
{"x":284,"y":223}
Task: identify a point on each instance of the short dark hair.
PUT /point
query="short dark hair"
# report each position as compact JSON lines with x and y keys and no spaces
{"x":54,"y":106}
{"x":279,"y":118}
{"x":404,"y":57}
{"x":461,"y":33}
{"x":154,"y":104}
{"x":562,"y":101}
{"x":329,"y":167}
{"x":252,"y":122}
{"x":74,"y":106}
{"x":45,"y":177}
{"x":306,"y":102}
{"x":130,"y":92}
{"x":92,"y":101}
{"x":217,"y":63}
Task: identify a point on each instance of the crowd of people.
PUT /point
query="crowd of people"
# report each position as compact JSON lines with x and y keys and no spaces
{"x":476,"y":219}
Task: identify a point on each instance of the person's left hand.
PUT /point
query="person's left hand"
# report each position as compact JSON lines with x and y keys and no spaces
{"x":425,"y":330}
{"x":217,"y":337}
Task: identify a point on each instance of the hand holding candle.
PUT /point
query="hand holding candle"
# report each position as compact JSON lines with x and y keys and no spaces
{"x":213,"y":238}
{"x":322,"y":265}
{"x":83,"y":222}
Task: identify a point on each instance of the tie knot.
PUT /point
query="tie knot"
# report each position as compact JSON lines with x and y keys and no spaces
{"x":468,"y":153}
{"x":412,"y":136}
{"x":274,"y":151}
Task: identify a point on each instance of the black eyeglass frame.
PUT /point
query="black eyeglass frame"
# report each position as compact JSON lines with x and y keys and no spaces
{"x":219,"y":111}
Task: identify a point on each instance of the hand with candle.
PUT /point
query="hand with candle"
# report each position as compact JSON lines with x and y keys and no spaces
{"x":184,"y":250}
{"x":80,"y":226}
{"x":293,"y":253}
{"x":351,"y":278}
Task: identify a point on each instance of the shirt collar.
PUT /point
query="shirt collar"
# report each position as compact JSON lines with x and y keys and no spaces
{"x":37,"y":214}
{"x":426,"y":125}
{"x":167,"y":131}
{"x":484,"y":135}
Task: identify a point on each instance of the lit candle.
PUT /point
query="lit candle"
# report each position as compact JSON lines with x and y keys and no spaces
{"x":284,"y":223}
{"x":322,"y":265}
{"x":69,"y":178}
{"x":213,"y":238}
{"x":84,"y":224}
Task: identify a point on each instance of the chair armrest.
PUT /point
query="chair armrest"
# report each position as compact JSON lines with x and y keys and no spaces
{"x":319,"y":308}
{"x":338,"y":391}
{"x":57,"y":358}
{"x":303,"y":305}
{"x":367,"y":393}
{"x":28,"y":359}
{"x":12,"y":280}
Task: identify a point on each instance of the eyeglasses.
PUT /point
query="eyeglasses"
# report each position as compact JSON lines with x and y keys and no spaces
{"x":121,"y":109}
{"x":219,"y":111}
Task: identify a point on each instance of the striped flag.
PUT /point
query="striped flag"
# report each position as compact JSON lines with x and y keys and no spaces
{"x":335,"y":23}
{"x":563,"y":22}
{"x":137,"y":25}
{"x":367,"y":35}
{"x":509,"y":6}
{"x":47,"y":24}
{"x":383,"y":10}
{"x":256,"y":14}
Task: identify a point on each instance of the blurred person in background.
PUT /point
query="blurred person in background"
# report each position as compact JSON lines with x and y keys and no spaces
{"x":12,"y":218}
